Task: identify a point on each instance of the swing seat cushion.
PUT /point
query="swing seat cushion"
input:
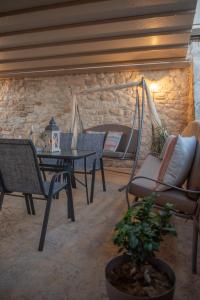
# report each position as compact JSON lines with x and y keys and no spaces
{"x":117,"y":154}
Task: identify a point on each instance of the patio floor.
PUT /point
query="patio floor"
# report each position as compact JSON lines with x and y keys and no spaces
{"x":71,"y":267}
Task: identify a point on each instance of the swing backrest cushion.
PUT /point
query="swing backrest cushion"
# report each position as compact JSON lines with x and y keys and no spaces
{"x":112,"y":140}
{"x":125,"y":136}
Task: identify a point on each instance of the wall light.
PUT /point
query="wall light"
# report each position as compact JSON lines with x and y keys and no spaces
{"x":154,"y":87}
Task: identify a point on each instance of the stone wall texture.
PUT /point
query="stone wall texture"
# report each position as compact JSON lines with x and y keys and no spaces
{"x":194,"y":54}
{"x":33,"y":101}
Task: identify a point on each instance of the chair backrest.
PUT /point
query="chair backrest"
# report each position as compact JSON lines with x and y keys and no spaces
{"x":193,"y":183}
{"x":19,"y":167}
{"x":125,"y":137}
{"x":65,"y":140}
{"x":91,"y":141}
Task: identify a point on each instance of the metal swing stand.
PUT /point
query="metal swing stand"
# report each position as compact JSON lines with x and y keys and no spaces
{"x":139,"y":117}
{"x":138,"y":120}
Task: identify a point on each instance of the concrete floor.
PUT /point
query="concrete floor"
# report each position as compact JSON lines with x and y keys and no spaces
{"x":71,"y":267}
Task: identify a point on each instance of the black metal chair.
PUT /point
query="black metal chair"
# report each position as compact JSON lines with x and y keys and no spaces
{"x":28,"y":201}
{"x":92,"y":142}
{"x":20,"y":172}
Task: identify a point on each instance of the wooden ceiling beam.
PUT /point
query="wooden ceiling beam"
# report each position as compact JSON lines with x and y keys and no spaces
{"x":130,"y":26}
{"x":106,"y":67}
{"x":145,"y":5}
{"x":187,"y":15}
{"x":35,"y":6}
{"x":177,"y":52}
{"x":78,"y":48}
{"x":79,"y":35}
{"x":89,"y":11}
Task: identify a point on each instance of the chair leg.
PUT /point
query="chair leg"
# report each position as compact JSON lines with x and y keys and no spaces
{"x":86,"y":183}
{"x":70,"y":204}
{"x":194,"y":246}
{"x":93,"y":182}
{"x":32,"y":204}
{"x":57,"y":195}
{"x":1,"y":200}
{"x":102,"y":175}
{"x":45,"y":223}
{"x":27,"y":204}
{"x":44,"y":175}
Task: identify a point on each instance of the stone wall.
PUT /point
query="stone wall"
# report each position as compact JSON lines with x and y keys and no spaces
{"x":33,"y":101}
{"x":194,"y":54}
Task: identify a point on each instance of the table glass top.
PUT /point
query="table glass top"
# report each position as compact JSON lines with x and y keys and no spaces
{"x":69,"y":153}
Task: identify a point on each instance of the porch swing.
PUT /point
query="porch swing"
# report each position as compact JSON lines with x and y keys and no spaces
{"x":130,"y":143}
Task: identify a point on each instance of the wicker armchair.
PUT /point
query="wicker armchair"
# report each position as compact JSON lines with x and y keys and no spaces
{"x":20,"y":172}
{"x":186,"y":201}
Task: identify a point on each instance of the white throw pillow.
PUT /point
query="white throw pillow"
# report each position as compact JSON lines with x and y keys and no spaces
{"x":175,"y":167}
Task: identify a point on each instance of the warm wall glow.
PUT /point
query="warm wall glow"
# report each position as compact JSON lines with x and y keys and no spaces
{"x":154,"y":87}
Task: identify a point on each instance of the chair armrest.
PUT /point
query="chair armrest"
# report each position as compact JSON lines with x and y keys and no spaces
{"x":168,"y":185}
{"x":56,"y":177}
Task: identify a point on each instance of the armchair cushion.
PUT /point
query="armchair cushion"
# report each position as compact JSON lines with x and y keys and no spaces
{"x":177,"y":162}
{"x":150,"y":168}
{"x":143,"y":187}
{"x":181,"y":202}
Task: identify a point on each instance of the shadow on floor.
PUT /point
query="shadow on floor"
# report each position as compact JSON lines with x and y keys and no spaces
{"x":71,"y":267}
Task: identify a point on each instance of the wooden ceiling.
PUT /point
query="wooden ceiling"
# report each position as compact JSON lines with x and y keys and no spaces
{"x":56,"y":36}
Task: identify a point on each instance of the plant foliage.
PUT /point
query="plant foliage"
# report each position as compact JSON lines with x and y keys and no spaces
{"x":159,"y":137}
{"x":141,"y":230}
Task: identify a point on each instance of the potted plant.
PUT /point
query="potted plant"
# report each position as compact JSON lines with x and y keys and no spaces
{"x":137,"y":274}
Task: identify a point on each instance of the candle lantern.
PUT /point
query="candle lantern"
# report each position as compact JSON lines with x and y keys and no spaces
{"x":52,"y":137}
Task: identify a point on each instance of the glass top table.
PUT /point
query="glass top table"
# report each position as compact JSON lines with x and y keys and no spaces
{"x":66,"y":154}
{"x":68,"y":157}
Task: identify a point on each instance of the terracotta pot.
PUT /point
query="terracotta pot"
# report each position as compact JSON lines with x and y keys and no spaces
{"x":115,"y":294}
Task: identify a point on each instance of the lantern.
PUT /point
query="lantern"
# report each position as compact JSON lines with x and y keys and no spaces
{"x":52,"y":137}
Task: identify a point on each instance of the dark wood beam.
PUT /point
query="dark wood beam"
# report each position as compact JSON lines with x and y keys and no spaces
{"x":90,"y":11}
{"x":96,"y":59}
{"x":95,"y":31}
{"x":186,"y":15}
{"x":90,"y":52}
{"x":114,"y":67}
{"x":35,"y":6}
{"x":78,"y":48}
{"x":50,"y":36}
{"x":146,"y":5}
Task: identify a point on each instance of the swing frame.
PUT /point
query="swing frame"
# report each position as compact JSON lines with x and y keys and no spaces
{"x":138,"y":116}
